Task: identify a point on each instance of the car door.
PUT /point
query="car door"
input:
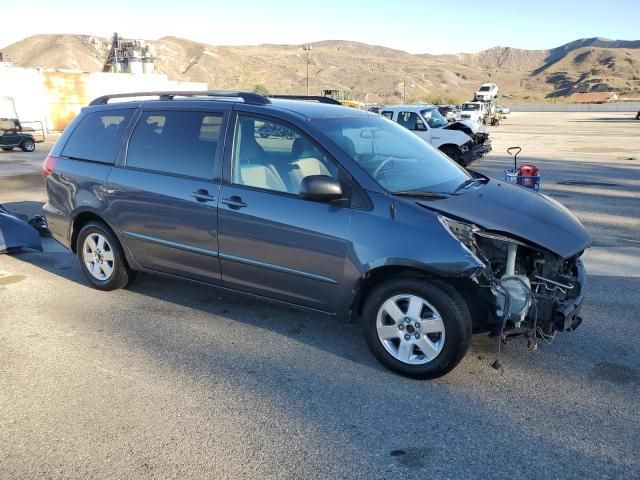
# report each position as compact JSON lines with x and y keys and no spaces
{"x":415,"y":123}
{"x":273,"y":242}
{"x":163,"y":196}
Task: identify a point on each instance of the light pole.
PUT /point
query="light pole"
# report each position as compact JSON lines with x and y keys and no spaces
{"x":307,"y":48}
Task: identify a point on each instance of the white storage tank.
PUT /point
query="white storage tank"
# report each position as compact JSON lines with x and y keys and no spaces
{"x":135,"y":65}
{"x":147,"y":65}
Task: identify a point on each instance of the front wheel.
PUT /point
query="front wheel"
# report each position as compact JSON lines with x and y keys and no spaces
{"x":101,"y":257}
{"x":28,"y":145}
{"x":7,"y":149}
{"x":415,"y":327}
{"x":452,"y":152}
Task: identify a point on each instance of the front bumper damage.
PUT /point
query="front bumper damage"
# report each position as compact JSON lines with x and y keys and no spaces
{"x":566,"y":314}
{"x":475,"y":152}
{"x":527,"y":290}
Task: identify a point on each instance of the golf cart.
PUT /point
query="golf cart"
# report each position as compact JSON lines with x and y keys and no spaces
{"x":12,"y":133}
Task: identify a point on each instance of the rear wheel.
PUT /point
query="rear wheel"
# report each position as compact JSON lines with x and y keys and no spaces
{"x":101,"y":257}
{"x":28,"y":145}
{"x":417,"y":328}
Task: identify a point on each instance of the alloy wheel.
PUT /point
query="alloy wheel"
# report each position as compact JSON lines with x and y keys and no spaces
{"x":410,"y":329}
{"x":98,"y":256}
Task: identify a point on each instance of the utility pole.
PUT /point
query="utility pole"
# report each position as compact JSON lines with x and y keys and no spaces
{"x":307,"y":48}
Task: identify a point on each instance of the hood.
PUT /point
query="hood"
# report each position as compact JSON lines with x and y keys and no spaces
{"x":519,"y":212}
{"x":441,"y":136}
{"x":475,"y":127}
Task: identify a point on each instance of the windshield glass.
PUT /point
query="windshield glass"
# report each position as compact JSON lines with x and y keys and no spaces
{"x":434,"y":118}
{"x":485,"y":89}
{"x":470,"y":106}
{"x":396,"y":158}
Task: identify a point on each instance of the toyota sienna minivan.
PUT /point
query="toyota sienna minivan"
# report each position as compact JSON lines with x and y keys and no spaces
{"x":335,"y":210}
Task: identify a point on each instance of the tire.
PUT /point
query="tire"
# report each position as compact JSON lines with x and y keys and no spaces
{"x":7,"y":149}
{"x":452,"y":152}
{"x":105,"y":267}
{"x":28,"y":145}
{"x":446,"y":348}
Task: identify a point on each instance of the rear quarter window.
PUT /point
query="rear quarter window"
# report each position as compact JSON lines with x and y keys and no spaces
{"x":98,"y":136}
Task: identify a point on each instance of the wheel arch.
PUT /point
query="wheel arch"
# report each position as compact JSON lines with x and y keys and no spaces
{"x":449,"y":145}
{"x":369,"y":280}
{"x":472,"y":295}
{"x":80,"y":219}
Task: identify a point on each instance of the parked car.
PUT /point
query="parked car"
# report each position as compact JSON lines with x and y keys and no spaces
{"x":502,"y":110}
{"x":354,"y":217}
{"x":12,"y":136}
{"x":486,"y":92}
{"x":426,"y":122}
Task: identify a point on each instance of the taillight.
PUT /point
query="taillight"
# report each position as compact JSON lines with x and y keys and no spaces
{"x":48,"y":165}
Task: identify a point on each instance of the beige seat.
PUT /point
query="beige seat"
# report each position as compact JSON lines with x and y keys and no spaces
{"x":305,"y":163}
{"x":261,"y":176}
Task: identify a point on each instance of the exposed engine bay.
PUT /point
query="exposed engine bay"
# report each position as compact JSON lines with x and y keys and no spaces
{"x":530,"y":291}
{"x":478,"y":133}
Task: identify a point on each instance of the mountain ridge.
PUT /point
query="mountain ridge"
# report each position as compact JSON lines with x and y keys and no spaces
{"x":380,"y":73}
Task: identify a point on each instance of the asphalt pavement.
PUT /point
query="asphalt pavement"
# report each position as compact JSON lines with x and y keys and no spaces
{"x":168,"y":379}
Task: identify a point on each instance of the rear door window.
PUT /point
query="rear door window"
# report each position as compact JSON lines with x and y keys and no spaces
{"x":176,"y":142}
{"x":98,"y":136}
{"x":388,"y":115}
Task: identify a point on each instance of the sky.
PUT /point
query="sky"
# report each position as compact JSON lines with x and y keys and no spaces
{"x":427,"y":26}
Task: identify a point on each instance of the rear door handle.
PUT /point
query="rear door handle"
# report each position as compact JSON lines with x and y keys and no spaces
{"x":202,"y":195}
{"x":234,"y":202}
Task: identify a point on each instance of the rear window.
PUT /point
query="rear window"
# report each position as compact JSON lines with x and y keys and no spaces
{"x":176,"y":142}
{"x":98,"y":136}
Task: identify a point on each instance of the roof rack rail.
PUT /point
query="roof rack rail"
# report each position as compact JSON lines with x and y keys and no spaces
{"x":247,"y":97}
{"x":311,"y":98}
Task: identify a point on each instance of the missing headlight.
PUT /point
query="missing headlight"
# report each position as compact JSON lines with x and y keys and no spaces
{"x":464,"y":233}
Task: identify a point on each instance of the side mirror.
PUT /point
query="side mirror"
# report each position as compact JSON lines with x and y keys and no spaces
{"x":421,"y":127}
{"x":320,"y":188}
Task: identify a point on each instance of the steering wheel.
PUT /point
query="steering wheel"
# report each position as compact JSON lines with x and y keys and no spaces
{"x":383,"y":164}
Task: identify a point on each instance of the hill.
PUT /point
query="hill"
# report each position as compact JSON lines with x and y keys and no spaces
{"x":382,"y":73}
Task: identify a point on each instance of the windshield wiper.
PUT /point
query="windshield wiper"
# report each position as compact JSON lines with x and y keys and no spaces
{"x":466,"y":184}
{"x":416,"y":193}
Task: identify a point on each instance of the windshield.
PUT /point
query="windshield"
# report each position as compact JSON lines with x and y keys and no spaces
{"x":470,"y":106}
{"x":484,"y":89}
{"x":434,"y":118}
{"x":396,"y":158}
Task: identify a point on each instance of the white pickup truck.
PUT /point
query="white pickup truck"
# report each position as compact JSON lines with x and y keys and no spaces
{"x":456,"y":140}
{"x":475,"y":111}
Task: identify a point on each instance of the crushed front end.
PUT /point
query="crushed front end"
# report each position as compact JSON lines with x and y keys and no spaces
{"x":527,"y":290}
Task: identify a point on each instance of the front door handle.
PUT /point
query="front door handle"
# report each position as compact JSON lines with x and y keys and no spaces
{"x":234,"y":202}
{"x":202,"y":195}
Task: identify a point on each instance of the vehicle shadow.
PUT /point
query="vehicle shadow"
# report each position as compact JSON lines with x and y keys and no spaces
{"x":350,"y":404}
